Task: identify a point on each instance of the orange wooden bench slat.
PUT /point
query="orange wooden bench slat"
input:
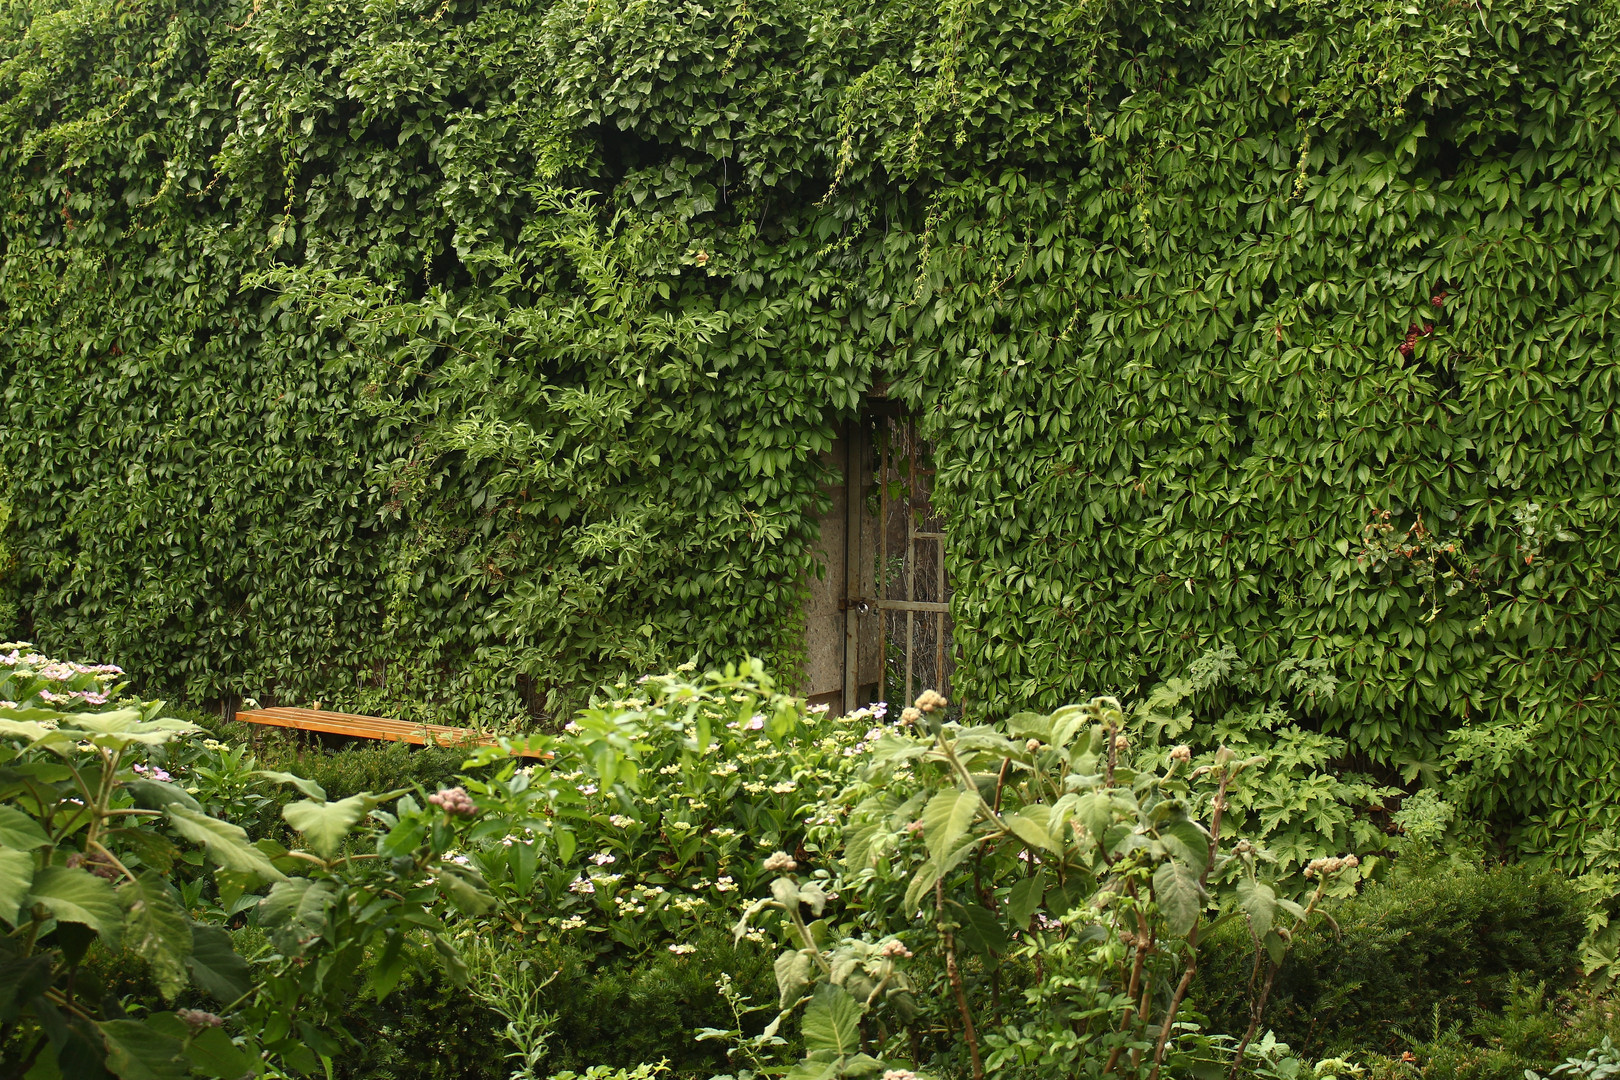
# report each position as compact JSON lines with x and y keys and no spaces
{"x":366,"y":727}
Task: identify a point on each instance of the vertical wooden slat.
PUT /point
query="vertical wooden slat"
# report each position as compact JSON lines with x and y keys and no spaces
{"x":853,"y":462}
{"x":882,"y":583}
{"x":911,"y":567}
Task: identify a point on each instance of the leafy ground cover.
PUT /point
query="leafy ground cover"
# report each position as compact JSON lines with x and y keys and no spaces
{"x":705,"y":878}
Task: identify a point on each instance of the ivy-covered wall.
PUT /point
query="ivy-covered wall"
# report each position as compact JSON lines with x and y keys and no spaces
{"x":454,"y":354}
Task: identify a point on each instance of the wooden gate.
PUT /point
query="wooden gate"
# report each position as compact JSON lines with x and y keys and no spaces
{"x":895,"y":561}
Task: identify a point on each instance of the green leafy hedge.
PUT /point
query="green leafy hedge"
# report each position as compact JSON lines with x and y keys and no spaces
{"x":454,"y":355}
{"x":1435,"y":945}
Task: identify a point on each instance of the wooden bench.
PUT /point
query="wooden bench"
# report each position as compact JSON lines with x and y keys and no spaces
{"x":371,"y":727}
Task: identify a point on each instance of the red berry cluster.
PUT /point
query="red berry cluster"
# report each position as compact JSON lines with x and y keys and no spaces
{"x":1412,"y":335}
{"x":1409,"y":345}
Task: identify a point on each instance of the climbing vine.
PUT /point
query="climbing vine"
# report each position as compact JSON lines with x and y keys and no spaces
{"x":450,"y":356}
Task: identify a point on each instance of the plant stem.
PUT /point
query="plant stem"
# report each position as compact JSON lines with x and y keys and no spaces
{"x":953,"y":973}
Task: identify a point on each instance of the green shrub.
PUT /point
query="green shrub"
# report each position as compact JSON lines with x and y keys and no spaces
{"x":1435,"y":943}
{"x":610,"y":1010}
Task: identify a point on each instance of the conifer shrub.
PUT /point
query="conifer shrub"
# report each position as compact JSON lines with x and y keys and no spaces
{"x":1436,"y":943}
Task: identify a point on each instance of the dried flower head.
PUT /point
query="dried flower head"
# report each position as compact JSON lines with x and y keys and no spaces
{"x":910,"y":715}
{"x":895,"y":949}
{"x":780,"y":863}
{"x":197,"y":1019}
{"x":1121,"y":742}
{"x":1181,"y":755}
{"x":930,"y":700}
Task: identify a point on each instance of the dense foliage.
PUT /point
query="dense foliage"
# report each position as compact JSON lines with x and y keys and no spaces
{"x":458,"y":354}
{"x":702,"y":874}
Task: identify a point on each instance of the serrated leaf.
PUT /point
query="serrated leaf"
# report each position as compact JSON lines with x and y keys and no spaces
{"x":1186,"y":840}
{"x":325,"y":824}
{"x":832,"y":1021}
{"x":227,"y":844}
{"x":1029,"y":825}
{"x":1026,"y":897}
{"x":308,"y":787}
{"x":467,"y":897}
{"x":158,"y":795}
{"x":20,"y":832}
{"x":295,"y":911}
{"x":1258,"y":901}
{"x":1179,"y":896}
{"x":77,"y":895}
{"x":154,"y":849}
{"x":930,"y":873}
{"x":157,"y":930}
{"x":215,"y":966}
{"x":137,"y":1052}
{"x":213,"y":1054}
{"x":16,"y":875}
{"x":947,"y":818}
{"x":792,"y":977}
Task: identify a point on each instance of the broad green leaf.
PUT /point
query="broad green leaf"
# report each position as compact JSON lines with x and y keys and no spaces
{"x":308,"y":787}
{"x":227,"y":844}
{"x":1259,"y":902}
{"x":158,"y":795}
{"x":832,"y":1021}
{"x":1029,"y":825}
{"x":324,"y":824}
{"x":295,"y":911}
{"x":1095,"y":811}
{"x":157,"y":930}
{"x":77,"y":895}
{"x":16,"y":875}
{"x":20,"y":832}
{"x":930,"y":873}
{"x":947,"y":817}
{"x":1179,"y":896}
{"x":213,"y":1054}
{"x":215,"y":966}
{"x":792,"y":977}
{"x":390,"y":965}
{"x":981,"y":930}
{"x":135,"y":1051}
{"x":155,"y":849}
{"x":1025,"y":898}
{"x":467,"y":897}
{"x":1186,"y":840}
{"x":22,"y":979}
